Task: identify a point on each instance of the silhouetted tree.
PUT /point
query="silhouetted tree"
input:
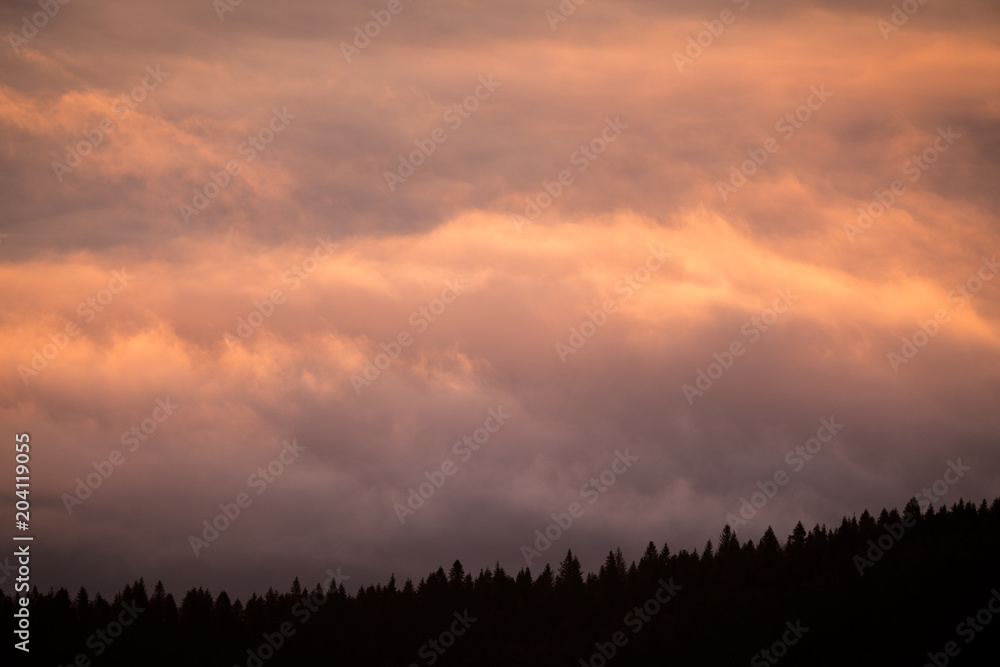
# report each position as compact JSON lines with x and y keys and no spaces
{"x":735,"y":599}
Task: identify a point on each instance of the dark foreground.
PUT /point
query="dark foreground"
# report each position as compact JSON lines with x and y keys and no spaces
{"x":906,"y":588}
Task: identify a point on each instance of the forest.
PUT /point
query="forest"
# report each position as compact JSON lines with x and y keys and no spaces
{"x":902,"y":588}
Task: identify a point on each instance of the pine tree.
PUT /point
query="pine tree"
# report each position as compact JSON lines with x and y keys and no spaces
{"x":650,"y":559}
{"x":570,"y":576}
{"x":729,"y":546}
{"x":545,"y":581}
{"x":82,"y":606}
{"x":797,"y":540}
{"x":708,"y":553}
{"x":768,"y":546}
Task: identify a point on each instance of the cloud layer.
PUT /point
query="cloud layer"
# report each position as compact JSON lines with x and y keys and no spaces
{"x":582,"y":238}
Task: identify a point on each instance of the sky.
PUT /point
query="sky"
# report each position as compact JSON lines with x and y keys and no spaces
{"x":393,"y":298}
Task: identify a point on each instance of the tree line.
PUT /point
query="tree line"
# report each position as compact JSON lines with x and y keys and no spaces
{"x":903,"y":588}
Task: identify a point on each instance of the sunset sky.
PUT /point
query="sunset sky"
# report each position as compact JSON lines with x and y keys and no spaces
{"x":562,"y":216}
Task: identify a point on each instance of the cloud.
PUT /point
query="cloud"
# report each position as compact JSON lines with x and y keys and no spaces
{"x":312,"y":215}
